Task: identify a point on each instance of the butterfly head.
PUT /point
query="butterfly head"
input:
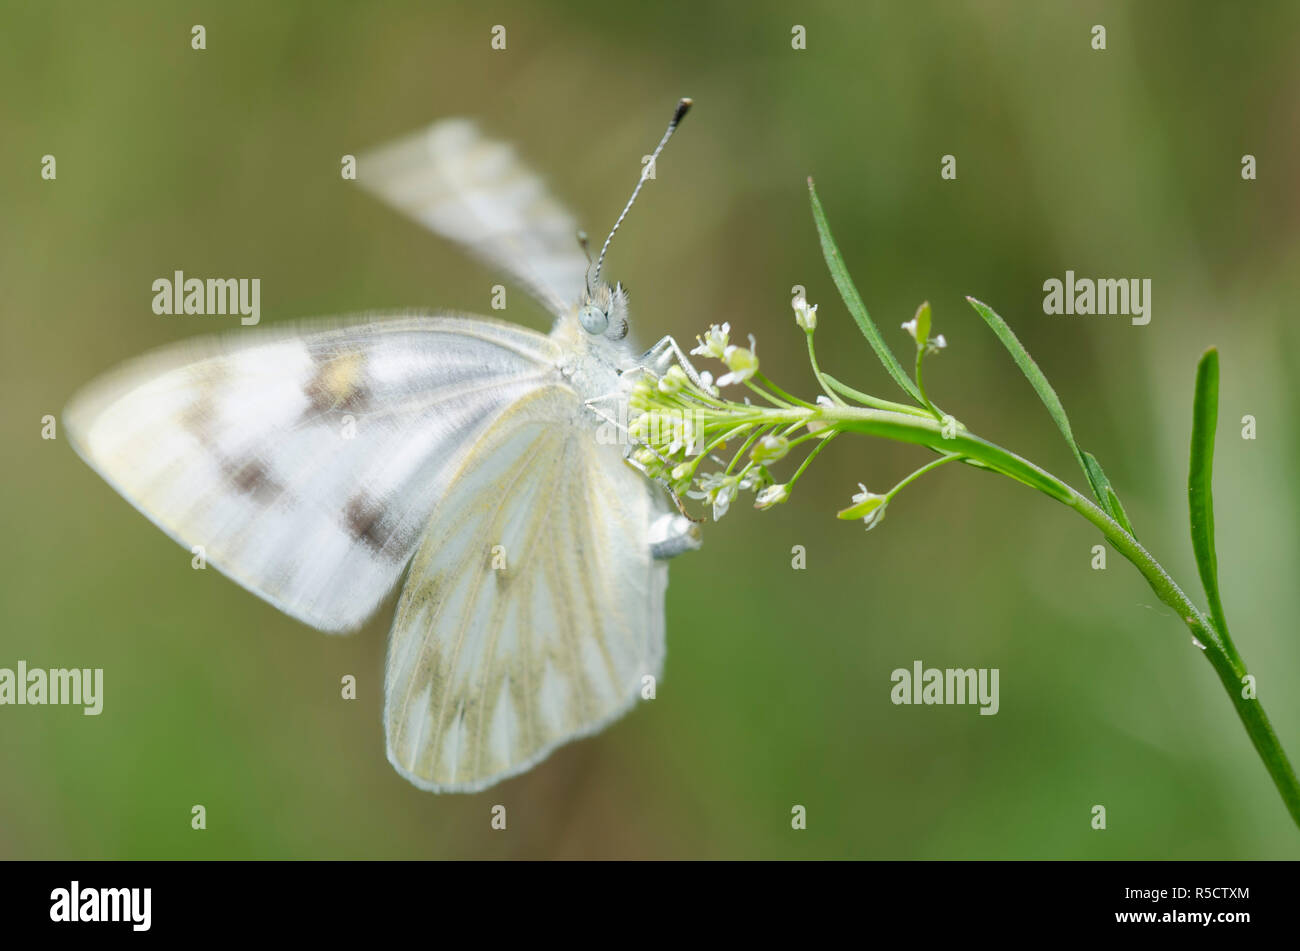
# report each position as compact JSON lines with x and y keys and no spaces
{"x":604,"y":311}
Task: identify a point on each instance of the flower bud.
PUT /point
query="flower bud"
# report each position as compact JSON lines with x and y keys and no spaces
{"x":805,"y":316}
{"x":673,"y":381}
{"x":772,"y":495}
{"x":770,"y":449}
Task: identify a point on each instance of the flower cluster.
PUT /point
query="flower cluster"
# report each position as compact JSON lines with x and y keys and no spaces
{"x":680,"y":423}
{"x":705,"y":446}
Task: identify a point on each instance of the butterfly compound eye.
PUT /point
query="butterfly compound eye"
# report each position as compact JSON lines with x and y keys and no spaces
{"x":593,"y":319}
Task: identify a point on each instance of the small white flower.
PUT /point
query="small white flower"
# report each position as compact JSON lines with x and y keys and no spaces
{"x":714,"y":343}
{"x":770,"y":449}
{"x":722,"y":501}
{"x":805,"y":316}
{"x":772,"y":495}
{"x":706,"y":383}
{"x":718,"y":490}
{"x":875,"y":514}
{"x":933,"y":345}
{"x":742,"y":362}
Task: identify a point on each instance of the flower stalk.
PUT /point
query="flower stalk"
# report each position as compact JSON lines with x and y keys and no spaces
{"x":679,"y":421}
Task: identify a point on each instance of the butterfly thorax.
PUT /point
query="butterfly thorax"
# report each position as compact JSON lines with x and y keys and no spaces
{"x":591,"y":364}
{"x":592,"y":338}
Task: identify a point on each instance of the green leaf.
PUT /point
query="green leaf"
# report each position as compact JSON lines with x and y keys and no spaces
{"x":853,"y":301}
{"x":922,"y":319}
{"x":1205,"y":413}
{"x":863,"y":508}
{"x":1101,"y":488}
{"x":1037,"y":380}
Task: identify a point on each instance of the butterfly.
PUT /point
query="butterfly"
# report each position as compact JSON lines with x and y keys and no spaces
{"x":314,"y":464}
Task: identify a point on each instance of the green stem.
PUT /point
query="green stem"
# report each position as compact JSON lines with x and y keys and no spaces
{"x":1219,"y":649}
{"x":872,"y":401}
{"x":920,"y":386}
{"x":753,"y":438}
{"x":812,"y":358}
{"x":774,"y":400}
{"x":809,"y":458}
{"x":920,"y":472}
{"x":793,"y":400}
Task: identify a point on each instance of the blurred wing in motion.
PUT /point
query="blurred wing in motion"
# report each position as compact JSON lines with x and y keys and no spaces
{"x":533,"y":609}
{"x":475,"y":191}
{"x":307,"y":466}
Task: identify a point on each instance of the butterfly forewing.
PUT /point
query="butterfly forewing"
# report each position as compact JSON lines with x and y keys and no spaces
{"x":306,"y":466}
{"x":475,"y":191}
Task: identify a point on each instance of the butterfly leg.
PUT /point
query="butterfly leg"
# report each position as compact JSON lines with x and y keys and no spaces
{"x":662,"y":356}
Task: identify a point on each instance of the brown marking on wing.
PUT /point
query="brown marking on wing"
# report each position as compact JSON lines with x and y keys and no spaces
{"x":251,"y":477}
{"x":197,"y":418}
{"x":363,"y":518}
{"x":339,"y":383}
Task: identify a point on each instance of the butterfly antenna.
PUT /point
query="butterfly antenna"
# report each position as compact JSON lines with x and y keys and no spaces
{"x":586,"y":250}
{"x":682,"y":107}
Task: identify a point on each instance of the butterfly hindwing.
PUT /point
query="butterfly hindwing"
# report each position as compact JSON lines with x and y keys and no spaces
{"x":306,"y":465}
{"x":533,"y":610}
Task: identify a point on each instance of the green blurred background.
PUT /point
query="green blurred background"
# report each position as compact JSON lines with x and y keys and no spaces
{"x":1122,"y":163}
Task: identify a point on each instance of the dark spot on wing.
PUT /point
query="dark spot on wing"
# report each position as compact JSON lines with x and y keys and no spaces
{"x":363,"y":518}
{"x":338,"y":384}
{"x":251,"y":477}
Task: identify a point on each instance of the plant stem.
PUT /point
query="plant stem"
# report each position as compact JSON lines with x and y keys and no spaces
{"x":809,"y":458}
{"x":1218,"y":647}
{"x":868,"y":400}
{"x":942,"y":460}
{"x":817,"y":371}
{"x":920,"y":358}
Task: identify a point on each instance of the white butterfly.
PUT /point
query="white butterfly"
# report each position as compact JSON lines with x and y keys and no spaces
{"x":312,"y":465}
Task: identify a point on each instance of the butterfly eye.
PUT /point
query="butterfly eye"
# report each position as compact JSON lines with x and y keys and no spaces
{"x":593,"y":319}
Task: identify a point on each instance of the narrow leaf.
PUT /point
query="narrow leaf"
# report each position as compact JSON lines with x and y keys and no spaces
{"x":853,"y":301}
{"x":1205,"y":414}
{"x":1036,"y":379}
{"x":1096,"y":478}
{"x":922,"y":319}
{"x":1101,"y":487}
{"x":861,"y":509}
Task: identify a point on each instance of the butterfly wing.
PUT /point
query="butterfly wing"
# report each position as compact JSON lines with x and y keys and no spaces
{"x":307,"y":465}
{"x":475,"y":191}
{"x":533,"y":609}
